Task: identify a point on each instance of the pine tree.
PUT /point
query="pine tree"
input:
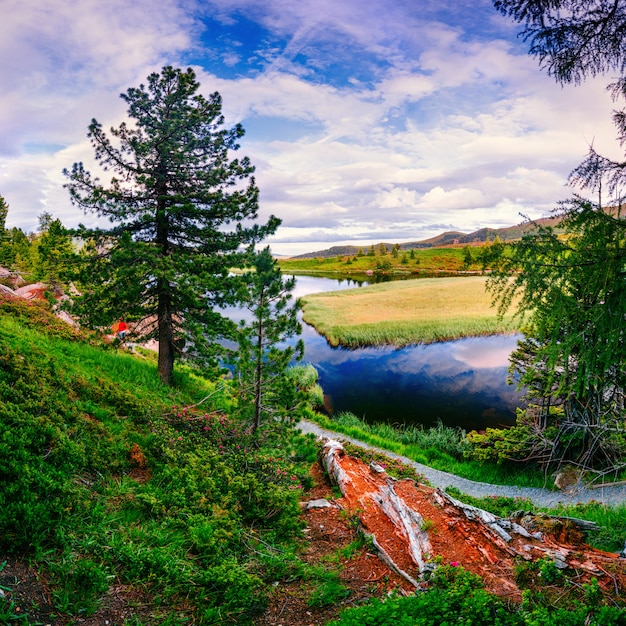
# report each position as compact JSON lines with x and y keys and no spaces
{"x":574,"y":352}
{"x":182,"y":214}
{"x":5,"y":252}
{"x":573,"y":38}
{"x":54,"y":250}
{"x":4,"y":211}
{"x":263,"y":357}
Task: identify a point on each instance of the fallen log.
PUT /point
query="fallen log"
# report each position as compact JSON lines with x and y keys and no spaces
{"x":371,"y":491}
{"x":411,"y":525}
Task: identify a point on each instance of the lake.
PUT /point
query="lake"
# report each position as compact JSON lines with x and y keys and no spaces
{"x":460,"y":383}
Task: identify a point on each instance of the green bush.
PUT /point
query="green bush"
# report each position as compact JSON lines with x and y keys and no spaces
{"x":455,"y":597}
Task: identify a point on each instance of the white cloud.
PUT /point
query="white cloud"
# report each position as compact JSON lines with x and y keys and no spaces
{"x":432,"y":125}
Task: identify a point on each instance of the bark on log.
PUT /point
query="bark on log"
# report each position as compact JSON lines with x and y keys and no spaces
{"x":491,"y":545}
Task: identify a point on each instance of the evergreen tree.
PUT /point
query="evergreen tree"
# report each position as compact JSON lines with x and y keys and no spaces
{"x":53,"y":251}
{"x":572,"y":287}
{"x":15,"y":251}
{"x":4,"y":211}
{"x":574,"y":352}
{"x":467,"y":257}
{"x":573,"y":38}
{"x":5,"y":252}
{"x":182,"y":216}
{"x":576,"y":39}
{"x":263,"y":357}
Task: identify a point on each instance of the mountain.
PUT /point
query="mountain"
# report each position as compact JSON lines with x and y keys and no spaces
{"x":449,"y":238}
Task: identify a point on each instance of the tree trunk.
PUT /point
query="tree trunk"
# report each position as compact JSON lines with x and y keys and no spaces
{"x":166,"y":341}
{"x":258,"y":371}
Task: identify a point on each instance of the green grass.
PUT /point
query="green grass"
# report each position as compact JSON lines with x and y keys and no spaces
{"x":406,"y":312}
{"x":77,"y":419}
{"x":611,"y":521}
{"x":440,"y":447}
{"x":425,"y":261}
{"x":212,"y":523}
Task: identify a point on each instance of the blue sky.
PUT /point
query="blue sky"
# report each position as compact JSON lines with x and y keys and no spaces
{"x":367,"y":120}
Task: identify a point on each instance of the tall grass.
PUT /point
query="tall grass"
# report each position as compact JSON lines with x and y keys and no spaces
{"x":440,"y":447}
{"x":406,"y":312}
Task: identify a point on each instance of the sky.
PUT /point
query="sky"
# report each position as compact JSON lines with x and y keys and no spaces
{"x":366,"y":120}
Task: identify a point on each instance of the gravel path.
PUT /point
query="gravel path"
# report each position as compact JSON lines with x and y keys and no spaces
{"x":541,"y":497}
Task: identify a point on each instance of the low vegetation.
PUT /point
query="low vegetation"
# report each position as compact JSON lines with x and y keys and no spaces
{"x":441,"y":447}
{"x":108,"y":479}
{"x":391,"y":261}
{"x":406,"y":312}
{"x":112,"y":478}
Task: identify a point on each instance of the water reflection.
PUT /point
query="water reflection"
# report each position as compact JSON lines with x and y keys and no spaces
{"x":462,"y":383}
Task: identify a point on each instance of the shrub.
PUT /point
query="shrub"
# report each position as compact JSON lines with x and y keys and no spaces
{"x":455,"y":596}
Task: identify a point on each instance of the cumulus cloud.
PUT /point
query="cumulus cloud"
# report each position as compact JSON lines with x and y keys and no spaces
{"x":367,"y":121}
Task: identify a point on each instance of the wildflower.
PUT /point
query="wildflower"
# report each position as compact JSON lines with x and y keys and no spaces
{"x":454,"y":564}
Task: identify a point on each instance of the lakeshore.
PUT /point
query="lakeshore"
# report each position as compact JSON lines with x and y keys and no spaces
{"x":406,"y":312}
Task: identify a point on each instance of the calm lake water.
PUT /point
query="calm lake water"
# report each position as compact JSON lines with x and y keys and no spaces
{"x":462,"y":383}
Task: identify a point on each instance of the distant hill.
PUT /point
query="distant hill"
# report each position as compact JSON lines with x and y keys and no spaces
{"x":449,"y":238}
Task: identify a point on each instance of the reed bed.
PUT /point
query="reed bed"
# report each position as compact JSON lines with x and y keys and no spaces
{"x":406,"y":312}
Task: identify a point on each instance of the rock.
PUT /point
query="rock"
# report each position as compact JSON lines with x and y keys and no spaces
{"x":321,"y":503}
{"x":567,"y":479}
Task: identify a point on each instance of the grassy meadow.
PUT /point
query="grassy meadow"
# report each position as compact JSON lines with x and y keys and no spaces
{"x":406,"y":312}
{"x":413,"y":262}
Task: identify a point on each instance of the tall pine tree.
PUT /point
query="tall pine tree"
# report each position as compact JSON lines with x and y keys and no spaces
{"x":182,"y":214}
{"x":263,"y":356}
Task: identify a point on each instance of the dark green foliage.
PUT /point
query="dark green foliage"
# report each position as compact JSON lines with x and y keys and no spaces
{"x":263,"y":358}
{"x":573,"y":286}
{"x":573,"y":355}
{"x":181,"y":210}
{"x":455,"y":596}
{"x":4,"y":211}
{"x":15,"y":251}
{"x":78,"y":585}
{"x":573,"y":39}
{"x":54,"y":252}
{"x":553,"y":597}
{"x":194,"y":536}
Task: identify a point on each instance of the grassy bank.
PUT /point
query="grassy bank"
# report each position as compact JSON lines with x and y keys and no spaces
{"x":106,"y":482}
{"x":406,"y":312}
{"x":440,"y":447}
{"x":446,"y":449}
{"x":417,"y":261}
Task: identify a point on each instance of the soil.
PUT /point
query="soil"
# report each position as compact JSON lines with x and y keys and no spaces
{"x":329,"y":530}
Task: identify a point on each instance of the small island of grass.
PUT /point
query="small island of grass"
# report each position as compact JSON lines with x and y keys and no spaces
{"x":406,"y":312}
